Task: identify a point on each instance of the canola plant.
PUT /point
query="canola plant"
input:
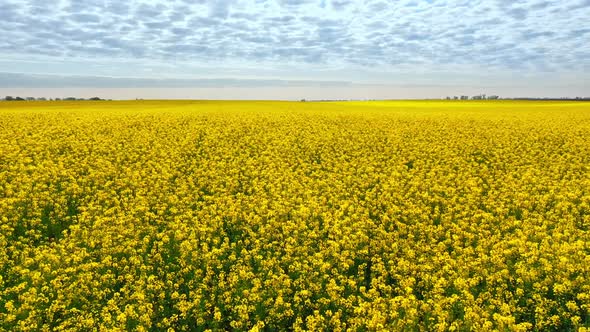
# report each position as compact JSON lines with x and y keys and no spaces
{"x":253,"y":216}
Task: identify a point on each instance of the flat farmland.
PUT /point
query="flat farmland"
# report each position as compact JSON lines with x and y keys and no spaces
{"x":361,"y":216}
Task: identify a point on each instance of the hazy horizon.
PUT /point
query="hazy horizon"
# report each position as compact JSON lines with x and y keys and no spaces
{"x":294,"y":49}
{"x":269,"y":93}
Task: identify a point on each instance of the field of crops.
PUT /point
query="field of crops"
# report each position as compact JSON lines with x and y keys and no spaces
{"x":361,"y":216}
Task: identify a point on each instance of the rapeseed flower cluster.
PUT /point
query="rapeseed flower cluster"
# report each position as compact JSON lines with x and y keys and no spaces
{"x":366,"y":216}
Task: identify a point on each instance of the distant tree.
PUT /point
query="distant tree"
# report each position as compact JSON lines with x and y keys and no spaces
{"x":58,"y":99}
{"x":95,"y":98}
{"x":493,"y":97}
{"x":9,"y":98}
{"x":42,"y":99}
{"x":70,"y":98}
{"x":19,"y":99}
{"x":30,"y":98}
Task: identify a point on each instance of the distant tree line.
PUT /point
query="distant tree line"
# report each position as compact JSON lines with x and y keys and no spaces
{"x":11,"y":98}
{"x":494,"y":97}
{"x":478,"y":97}
{"x":553,"y":99}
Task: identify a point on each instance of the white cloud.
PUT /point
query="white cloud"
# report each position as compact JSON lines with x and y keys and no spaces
{"x":371,"y":40}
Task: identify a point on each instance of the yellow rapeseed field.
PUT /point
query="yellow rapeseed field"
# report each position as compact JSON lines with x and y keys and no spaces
{"x":360,"y":216}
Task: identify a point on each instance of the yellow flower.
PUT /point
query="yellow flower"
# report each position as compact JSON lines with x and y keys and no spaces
{"x":160,"y":215}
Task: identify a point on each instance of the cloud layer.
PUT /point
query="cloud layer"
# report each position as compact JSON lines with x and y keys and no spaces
{"x":12,"y":80}
{"x":367,"y":40}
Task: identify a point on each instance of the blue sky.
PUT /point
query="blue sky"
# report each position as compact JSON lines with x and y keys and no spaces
{"x":431,"y":47}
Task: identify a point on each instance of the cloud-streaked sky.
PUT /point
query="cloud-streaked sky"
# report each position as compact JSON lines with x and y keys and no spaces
{"x":537,"y":47}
